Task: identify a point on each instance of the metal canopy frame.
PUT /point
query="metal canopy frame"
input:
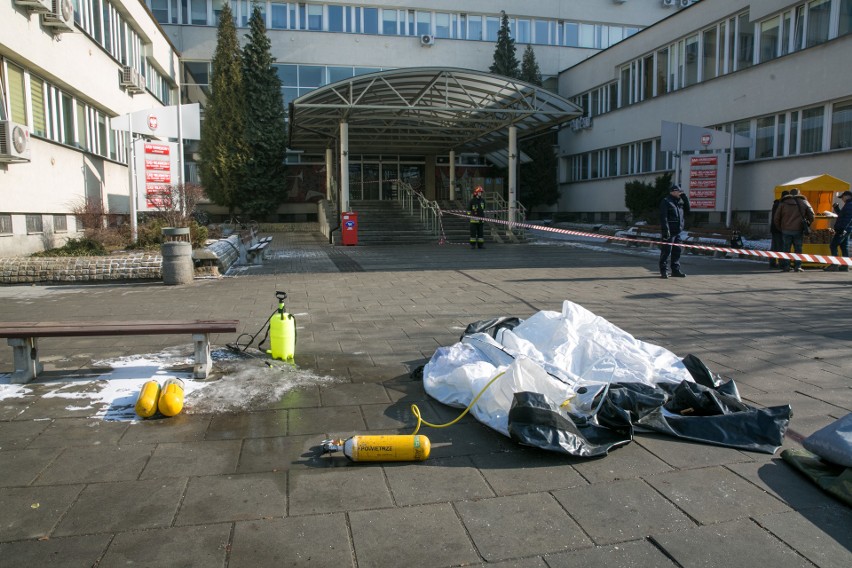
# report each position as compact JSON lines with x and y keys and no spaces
{"x":424,"y":110}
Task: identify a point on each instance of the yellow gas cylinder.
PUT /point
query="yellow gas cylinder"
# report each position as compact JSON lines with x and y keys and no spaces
{"x":282,"y":336}
{"x":149,"y":395}
{"x":382,"y":448}
{"x":171,"y":397}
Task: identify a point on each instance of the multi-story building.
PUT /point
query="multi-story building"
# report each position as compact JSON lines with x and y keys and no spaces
{"x":773,"y":71}
{"x":67,"y":69}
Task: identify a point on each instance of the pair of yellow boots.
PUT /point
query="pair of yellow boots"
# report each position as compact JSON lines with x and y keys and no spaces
{"x":168,"y":399}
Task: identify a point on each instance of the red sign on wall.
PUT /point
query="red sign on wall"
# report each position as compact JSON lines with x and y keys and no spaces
{"x":159,"y":149}
{"x":703,"y":160}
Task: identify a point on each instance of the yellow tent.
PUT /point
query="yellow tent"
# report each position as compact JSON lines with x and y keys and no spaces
{"x":820,"y":192}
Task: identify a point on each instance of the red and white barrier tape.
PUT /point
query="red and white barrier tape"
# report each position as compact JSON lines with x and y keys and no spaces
{"x":814,"y":258}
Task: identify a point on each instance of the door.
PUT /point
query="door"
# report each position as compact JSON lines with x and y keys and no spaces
{"x":390,"y":175}
{"x":371,"y":187}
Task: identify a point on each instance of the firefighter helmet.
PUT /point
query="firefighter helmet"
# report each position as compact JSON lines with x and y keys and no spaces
{"x":477,"y":190}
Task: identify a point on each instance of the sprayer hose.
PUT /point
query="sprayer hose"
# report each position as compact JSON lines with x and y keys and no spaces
{"x":416,"y":411}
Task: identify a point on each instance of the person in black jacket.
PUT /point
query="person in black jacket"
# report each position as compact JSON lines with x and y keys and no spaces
{"x":476,"y":208}
{"x":842,"y":226}
{"x":673,"y":211}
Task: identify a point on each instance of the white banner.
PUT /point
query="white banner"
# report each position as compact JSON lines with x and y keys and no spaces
{"x":156,"y":172}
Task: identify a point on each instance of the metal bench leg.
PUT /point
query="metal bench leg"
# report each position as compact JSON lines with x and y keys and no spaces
{"x":203,"y":364}
{"x":25,"y":357}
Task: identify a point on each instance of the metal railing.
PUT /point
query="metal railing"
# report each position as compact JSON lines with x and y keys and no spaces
{"x":415,"y":203}
{"x":498,"y":208}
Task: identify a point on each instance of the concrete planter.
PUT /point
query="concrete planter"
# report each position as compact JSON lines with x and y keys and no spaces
{"x":178,"y":267}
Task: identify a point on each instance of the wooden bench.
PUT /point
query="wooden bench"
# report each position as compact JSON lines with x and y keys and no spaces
{"x":710,"y":237}
{"x":254,"y":253}
{"x":23,"y":338}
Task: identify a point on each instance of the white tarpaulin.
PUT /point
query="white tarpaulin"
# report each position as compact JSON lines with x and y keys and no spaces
{"x":570,"y":357}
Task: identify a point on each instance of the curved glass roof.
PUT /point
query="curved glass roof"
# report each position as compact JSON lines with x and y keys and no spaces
{"x":424,"y":110}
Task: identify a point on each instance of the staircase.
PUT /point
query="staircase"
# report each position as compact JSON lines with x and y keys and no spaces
{"x":387,"y":223}
{"x":457,"y":229}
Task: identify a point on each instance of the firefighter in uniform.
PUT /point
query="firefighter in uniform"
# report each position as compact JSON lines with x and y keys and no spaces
{"x":477,"y":226}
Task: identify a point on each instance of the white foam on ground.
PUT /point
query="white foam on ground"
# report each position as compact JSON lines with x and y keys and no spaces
{"x":241,"y":382}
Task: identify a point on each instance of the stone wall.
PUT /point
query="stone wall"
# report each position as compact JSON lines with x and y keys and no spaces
{"x":132,"y":266}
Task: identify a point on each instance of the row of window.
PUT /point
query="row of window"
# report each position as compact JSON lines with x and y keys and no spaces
{"x":53,"y":114}
{"x":35,"y":223}
{"x":391,"y":21}
{"x":802,"y":131}
{"x":106,"y":25}
{"x":296,"y":80}
{"x":725,"y":47}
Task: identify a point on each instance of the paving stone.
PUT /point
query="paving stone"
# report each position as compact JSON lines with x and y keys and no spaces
{"x":186,"y":459}
{"x":822,"y":535}
{"x":841,"y":397}
{"x":737,"y":543}
{"x":353,"y":394}
{"x":528,"y":471}
{"x":70,"y":551}
{"x":682,"y":454}
{"x":302,"y":397}
{"x":281,"y":454}
{"x":320,"y":541}
{"x":520,"y":525}
{"x":427,"y":536}
{"x":165,"y":548}
{"x":240,"y":425}
{"x":321,"y":421}
{"x":32,"y":512}
{"x":12,"y":408}
{"x":397,"y":415}
{"x":625,"y":462}
{"x":436,"y":481}
{"x":222,"y":498}
{"x":93,"y":464}
{"x":636,"y":554}
{"x":714,"y":494}
{"x":20,"y":433}
{"x":533,"y":562}
{"x":621,"y":511}
{"x":65,"y":432}
{"x":466,"y":439}
{"x":21,"y":467}
{"x":776,"y":477}
{"x":338,"y":489}
{"x":123,"y":506}
{"x":181,"y":428}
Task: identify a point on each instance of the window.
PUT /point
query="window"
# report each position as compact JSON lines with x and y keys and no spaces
{"x":335,"y":18}
{"x":841,"y":125}
{"x":647,"y":156}
{"x":542,"y":33}
{"x":5,"y":224}
{"x":782,"y":125}
{"x":278,"y":11}
{"x":845,"y":25}
{"x":521,"y":32}
{"x":648,"y":77}
{"x":339,"y":73}
{"x":60,"y":223}
{"x":389,"y":25}
{"x":37,"y":98}
{"x":587,"y":35}
{"x":765,"y":140}
{"x":17,"y":97}
{"x":315,"y":17}
{"x":424,"y":23}
{"x":770,"y":35}
{"x":474,"y":27}
{"x":198,"y":12}
{"x":691,"y":61}
{"x":818,"y":22}
{"x":794,"y":133}
{"x":442,"y":25}
{"x":709,"y":49}
{"x":572,"y":34}
{"x":371,"y":21}
{"x":662,"y":71}
{"x":742,"y":128}
{"x":745,"y":42}
{"x":34,"y":224}
{"x":492,"y":26}
{"x":812,"y":120}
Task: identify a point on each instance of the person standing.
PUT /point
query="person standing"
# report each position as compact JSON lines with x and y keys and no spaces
{"x":673,"y":211}
{"x":777,"y":238}
{"x":476,"y":208}
{"x":842,"y":226}
{"x":790,"y":217}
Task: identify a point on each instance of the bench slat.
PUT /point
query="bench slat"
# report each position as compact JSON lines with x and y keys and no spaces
{"x":93,"y":327}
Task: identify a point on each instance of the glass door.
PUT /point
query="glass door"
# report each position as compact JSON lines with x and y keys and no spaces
{"x":355,"y":185}
{"x":390,"y":175}
{"x":371,"y":187}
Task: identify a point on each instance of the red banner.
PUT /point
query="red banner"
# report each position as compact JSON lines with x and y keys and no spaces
{"x":702,"y":204}
{"x":702,"y":173}
{"x":704,"y":160}
{"x":702,"y":183}
{"x":160,"y":177}
{"x":157,"y":165}
{"x":159,"y":149}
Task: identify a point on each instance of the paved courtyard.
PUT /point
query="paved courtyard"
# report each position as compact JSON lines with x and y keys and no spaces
{"x":248,"y":489}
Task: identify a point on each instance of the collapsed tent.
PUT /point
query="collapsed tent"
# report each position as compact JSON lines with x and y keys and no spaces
{"x":572,"y":382}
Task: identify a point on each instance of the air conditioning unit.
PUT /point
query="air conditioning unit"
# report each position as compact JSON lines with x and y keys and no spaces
{"x":669,"y":3}
{"x":685,"y":3}
{"x":131,"y":80}
{"x":60,"y":17}
{"x":427,"y":40}
{"x":38,"y":6}
{"x":14,"y":141}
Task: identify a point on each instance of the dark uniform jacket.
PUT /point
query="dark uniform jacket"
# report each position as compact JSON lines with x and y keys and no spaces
{"x":673,"y":212}
{"x":788,"y":216}
{"x":476,"y":208}
{"x":844,"y":219}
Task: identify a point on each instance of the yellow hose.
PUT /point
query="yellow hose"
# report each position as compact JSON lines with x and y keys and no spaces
{"x":416,"y":411}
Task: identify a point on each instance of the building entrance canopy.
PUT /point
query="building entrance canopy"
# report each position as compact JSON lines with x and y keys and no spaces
{"x":424,"y":110}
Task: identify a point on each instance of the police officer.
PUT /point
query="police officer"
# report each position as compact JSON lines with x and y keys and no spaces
{"x":673,"y":211}
{"x":476,"y":208}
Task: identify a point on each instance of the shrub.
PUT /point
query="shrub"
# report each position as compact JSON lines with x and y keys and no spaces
{"x":76,"y":247}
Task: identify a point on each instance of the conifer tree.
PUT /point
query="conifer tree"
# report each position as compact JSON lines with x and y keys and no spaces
{"x":537,"y":184}
{"x":505,"y":61}
{"x":223,"y":150}
{"x":265,"y":127}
